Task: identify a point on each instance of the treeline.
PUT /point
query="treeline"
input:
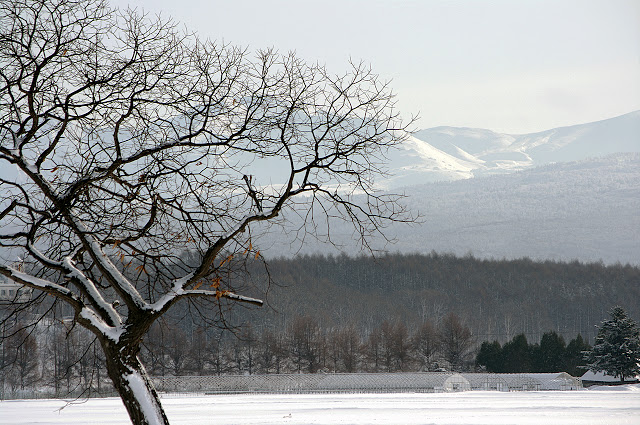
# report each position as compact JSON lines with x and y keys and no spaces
{"x":552,"y":354}
{"x":63,"y":360}
{"x":52,"y":357}
{"x":306,"y":346}
{"x":497,"y":298}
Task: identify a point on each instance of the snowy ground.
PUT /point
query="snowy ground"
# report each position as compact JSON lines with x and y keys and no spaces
{"x":600,"y":406}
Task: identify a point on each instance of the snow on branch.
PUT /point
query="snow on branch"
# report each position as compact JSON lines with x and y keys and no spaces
{"x":121,"y":283}
{"x":223,"y":294}
{"x":91,"y":290}
{"x":178,"y":291}
{"x":111,"y":332}
{"x":38,"y":283}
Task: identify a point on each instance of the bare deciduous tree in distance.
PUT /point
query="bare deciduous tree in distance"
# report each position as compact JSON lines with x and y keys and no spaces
{"x":126,"y":142}
{"x":456,"y":341}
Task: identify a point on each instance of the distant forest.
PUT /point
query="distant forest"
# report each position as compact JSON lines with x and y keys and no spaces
{"x":497,"y":299}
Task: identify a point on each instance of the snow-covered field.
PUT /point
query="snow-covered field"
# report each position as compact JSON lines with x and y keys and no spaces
{"x":590,"y":407}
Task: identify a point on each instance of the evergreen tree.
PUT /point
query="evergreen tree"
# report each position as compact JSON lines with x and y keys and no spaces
{"x":516,"y":355}
{"x":574,"y":356}
{"x":551,"y":353}
{"x":490,"y":356}
{"x":617,"y":347}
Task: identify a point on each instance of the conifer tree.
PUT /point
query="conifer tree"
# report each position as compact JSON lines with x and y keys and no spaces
{"x":617,"y":347}
{"x":490,"y":356}
{"x":550,"y":355}
{"x":574,"y":359}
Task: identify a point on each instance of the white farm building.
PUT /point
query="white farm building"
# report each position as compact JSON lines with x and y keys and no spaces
{"x":13,"y":292}
{"x":318,"y":382}
{"x":561,"y":381}
{"x":425,"y":382}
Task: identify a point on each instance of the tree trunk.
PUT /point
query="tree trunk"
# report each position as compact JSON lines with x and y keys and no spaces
{"x":134,"y":387}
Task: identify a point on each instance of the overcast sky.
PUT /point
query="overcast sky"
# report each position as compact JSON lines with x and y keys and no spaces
{"x":510,"y":66}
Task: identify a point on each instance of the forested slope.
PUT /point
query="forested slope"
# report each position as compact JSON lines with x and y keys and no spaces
{"x":497,"y":299}
{"x":586,"y":210}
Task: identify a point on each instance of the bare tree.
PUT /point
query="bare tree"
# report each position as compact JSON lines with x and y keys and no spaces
{"x":373,"y":351}
{"x":177,"y":350}
{"x":59,"y":356}
{"x":154,"y":349}
{"x":305,"y":344}
{"x":394,"y":343}
{"x":426,"y":344}
{"x":215,"y":350}
{"x":348,"y":346}
{"x":456,"y":341}
{"x":21,"y":356}
{"x":199,"y":356}
{"x":248,"y":345}
{"x":273,"y":351}
{"x":125,"y":142}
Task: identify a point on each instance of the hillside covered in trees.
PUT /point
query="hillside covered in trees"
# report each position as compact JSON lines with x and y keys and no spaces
{"x":497,"y":298}
{"x":585,"y":210}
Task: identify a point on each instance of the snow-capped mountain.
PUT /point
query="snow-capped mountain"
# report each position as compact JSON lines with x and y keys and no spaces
{"x":562,"y":194}
{"x":453,"y":153}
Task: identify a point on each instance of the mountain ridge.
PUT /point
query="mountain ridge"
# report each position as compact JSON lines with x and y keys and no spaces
{"x":447,"y":153}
